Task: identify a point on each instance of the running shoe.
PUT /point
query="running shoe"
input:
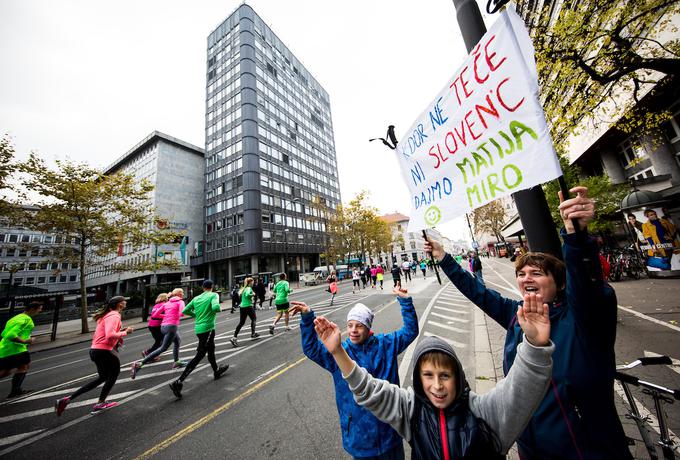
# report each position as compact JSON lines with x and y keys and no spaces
{"x":220,"y":370}
{"x":101,"y":407}
{"x":60,"y":405}
{"x":179,"y":364}
{"x":254,"y":336}
{"x":271,"y":330}
{"x":136,"y":366}
{"x":234,"y":341}
{"x":176,"y":388}
{"x":19,"y":392}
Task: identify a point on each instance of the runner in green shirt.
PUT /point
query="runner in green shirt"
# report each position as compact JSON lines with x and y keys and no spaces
{"x":281,"y":289}
{"x":203,"y":307}
{"x":14,"y":355}
{"x":246,"y":310}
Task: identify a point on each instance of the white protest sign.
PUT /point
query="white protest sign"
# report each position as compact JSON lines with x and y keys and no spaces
{"x":484,"y":136}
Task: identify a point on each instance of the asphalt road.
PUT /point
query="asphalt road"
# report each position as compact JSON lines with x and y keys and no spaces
{"x":273,"y":402}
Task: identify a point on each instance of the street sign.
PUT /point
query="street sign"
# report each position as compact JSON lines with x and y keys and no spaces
{"x":475,"y":245}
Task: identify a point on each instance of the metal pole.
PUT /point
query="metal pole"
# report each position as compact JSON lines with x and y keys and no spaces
{"x":532,"y":206}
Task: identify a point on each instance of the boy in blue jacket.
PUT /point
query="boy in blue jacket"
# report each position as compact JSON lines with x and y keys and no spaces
{"x":363,"y":435}
{"x":577,"y":418}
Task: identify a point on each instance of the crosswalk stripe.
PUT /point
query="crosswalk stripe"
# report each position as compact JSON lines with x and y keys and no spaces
{"x":33,"y":413}
{"x":453,"y":343}
{"x":450,"y":328}
{"x":452,"y":304}
{"x":18,"y":437}
{"x":452,"y":310}
{"x":450,"y":318}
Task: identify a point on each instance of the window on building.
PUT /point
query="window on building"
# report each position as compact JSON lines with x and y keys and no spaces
{"x":671,"y":128}
{"x":73,"y":278}
{"x":629,"y":151}
{"x":53,"y":279}
{"x":13,"y":238}
{"x":25,"y":238}
{"x":17,"y":281}
{"x":41,"y":280}
{"x":63,"y":278}
{"x":30,"y":280}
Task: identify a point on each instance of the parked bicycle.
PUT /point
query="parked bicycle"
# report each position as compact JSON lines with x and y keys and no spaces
{"x":660,"y":395}
{"x":624,"y":262}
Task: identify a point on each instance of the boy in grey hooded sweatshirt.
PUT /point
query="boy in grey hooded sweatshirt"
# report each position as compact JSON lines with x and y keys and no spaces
{"x":439,"y":416}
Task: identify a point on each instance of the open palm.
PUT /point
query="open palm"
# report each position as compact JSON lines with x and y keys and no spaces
{"x":534,"y":319}
{"x":328,"y":332}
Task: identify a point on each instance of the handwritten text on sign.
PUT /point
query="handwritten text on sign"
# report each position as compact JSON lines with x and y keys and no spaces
{"x":484,"y":136}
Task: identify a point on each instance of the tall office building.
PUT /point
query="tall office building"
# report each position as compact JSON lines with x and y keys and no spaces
{"x":271,"y":169}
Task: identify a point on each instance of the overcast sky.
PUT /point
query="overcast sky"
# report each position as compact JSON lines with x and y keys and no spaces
{"x":89,"y":79}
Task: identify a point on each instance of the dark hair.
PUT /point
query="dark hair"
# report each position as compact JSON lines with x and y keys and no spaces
{"x":648,"y":210}
{"x":208,"y":284}
{"x":546,"y":262}
{"x":282,"y":276}
{"x":631,"y":215}
{"x":34,"y":305}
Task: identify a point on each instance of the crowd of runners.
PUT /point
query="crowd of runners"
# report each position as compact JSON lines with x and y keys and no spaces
{"x":558,"y":357}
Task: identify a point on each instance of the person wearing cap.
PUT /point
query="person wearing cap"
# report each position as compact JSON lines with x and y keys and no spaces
{"x":107,"y":339}
{"x":14,"y":355}
{"x":440,"y":416}
{"x":204,"y":308}
{"x":363,"y":435}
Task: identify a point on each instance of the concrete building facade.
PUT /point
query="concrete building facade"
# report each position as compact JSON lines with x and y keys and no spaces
{"x":176,"y":169}
{"x":271,"y":169}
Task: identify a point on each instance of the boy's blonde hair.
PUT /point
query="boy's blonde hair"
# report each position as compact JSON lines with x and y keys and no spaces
{"x":162,"y":297}
{"x":177,"y":291}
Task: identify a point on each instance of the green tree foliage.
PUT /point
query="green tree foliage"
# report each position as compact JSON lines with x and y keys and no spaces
{"x":607,"y":196}
{"x":490,"y":219}
{"x":8,"y":167}
{"x":596,"y":51}
{"x":356,"y":228}
{"x":100,"y":211}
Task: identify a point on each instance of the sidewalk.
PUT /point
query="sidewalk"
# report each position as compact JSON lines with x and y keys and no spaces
{"x":68,"y":332}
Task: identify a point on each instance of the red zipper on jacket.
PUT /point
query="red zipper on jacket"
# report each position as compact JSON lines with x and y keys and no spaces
{"x":442,"y":432}
{"x":566,"y":419}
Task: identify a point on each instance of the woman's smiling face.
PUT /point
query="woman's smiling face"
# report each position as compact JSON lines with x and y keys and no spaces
{"x":532,"y":279}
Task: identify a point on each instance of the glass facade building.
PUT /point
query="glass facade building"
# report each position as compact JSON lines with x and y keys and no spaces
{"x":271,"y":170}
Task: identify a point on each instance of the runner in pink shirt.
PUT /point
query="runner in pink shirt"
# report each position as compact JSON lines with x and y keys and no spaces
{"x":108,"y":337}
{"x":155,"y":320}
{"x":171,"y":312}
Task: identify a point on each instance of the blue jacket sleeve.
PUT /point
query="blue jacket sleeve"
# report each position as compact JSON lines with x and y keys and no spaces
{"x":403,"y":337}
{"x":312,"y":347}
{"x":591,"y":300}
{"x":501,"y":309}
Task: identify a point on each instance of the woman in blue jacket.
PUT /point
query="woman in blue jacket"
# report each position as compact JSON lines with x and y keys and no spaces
{"x":577,"y":418}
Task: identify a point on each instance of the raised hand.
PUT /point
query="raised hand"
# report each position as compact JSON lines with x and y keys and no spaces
{"x":534,"y":320}
{"x":581,"y":208}
{"x":435,"y":248}
{"x":329,"y":333}
{"x":400,"y":291}
{"x":298,"y":307}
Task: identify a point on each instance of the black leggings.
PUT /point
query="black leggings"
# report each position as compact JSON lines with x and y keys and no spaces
{"x":108,"y":368}
{"x":206,"y":344}
{"x":246,"y":312}
{"x":157,"y":338}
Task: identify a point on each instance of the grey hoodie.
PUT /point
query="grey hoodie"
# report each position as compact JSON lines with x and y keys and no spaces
{"x":506,"y":409}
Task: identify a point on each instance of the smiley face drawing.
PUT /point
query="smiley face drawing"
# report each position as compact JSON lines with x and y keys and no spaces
{"x":432,"y":215}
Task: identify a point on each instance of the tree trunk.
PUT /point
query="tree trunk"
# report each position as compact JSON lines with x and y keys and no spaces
{"x":83,"y":294}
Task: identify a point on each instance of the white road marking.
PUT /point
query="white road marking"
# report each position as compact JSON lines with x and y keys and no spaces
{"x":453,"y":343}
{"x":649,"y":318}
{"x":450,"y":318}
{"x":452,"y":310}
{"x":18,"y":437}
{"x":450,"y":328}
{"x":33,"y":413}
{"x":261,"y":376}
{"x":452,"y":304}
